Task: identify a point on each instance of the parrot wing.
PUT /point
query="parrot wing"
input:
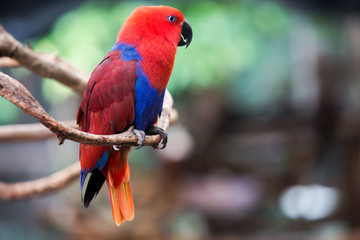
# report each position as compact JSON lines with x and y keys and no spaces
{"x":107,"y":106}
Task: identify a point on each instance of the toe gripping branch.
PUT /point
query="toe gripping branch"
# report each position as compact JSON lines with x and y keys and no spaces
{"x":164,"y":136}
{"x":141,"y":137}
{"x":152,"y":131}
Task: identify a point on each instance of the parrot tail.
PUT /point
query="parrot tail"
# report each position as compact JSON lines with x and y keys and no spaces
{"x":118,"y":182}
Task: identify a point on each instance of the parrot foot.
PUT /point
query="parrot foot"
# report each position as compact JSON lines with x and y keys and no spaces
{"x":164,"y":136}
{"x":141,"y":137}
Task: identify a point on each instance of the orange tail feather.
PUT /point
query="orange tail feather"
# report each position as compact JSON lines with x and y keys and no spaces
{"x":121,"y":203}
{"x":118,"y":182}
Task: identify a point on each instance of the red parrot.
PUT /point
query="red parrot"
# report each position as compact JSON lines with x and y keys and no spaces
{"x":127,"y":89}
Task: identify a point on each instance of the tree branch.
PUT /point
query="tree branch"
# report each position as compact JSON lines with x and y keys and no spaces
{"x":28,"y":132}
{"x":8,"y":62}
{"x":16,"y":93}
{"x":44,"y":64}
{"x":49,"y":65}
{"x":41,"y":186}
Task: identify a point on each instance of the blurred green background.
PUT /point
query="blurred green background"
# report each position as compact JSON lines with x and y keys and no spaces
{"x":268,"y":141}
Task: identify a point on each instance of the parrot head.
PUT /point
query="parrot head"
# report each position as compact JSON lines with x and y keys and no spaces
{"x":158,"y":23}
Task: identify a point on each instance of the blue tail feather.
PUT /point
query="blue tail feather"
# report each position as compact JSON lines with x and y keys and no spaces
{"x":83,"y":174}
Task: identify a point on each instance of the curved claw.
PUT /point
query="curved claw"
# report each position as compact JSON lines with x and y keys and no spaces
{"x":116,"y":147}
{"x":164,"y":139}
{"x":141,"y":137}
{"x":164,"y":136}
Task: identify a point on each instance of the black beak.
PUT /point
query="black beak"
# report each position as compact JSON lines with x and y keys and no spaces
{"x":186,"y":35}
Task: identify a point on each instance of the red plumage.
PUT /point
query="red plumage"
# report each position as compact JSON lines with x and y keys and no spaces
{"x":107,"y":107}
{"x":108,"y":101}
{"x":127,"y":88}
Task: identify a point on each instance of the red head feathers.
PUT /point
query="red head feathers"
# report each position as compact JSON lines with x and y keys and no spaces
{"x":155,"y":31}
{"x":153,"y":24}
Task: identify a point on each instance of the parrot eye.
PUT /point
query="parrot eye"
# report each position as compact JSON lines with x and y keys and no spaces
{"x":171,"y":18}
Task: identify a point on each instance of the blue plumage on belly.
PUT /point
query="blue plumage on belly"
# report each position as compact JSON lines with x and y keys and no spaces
{"x":148,"y":103}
